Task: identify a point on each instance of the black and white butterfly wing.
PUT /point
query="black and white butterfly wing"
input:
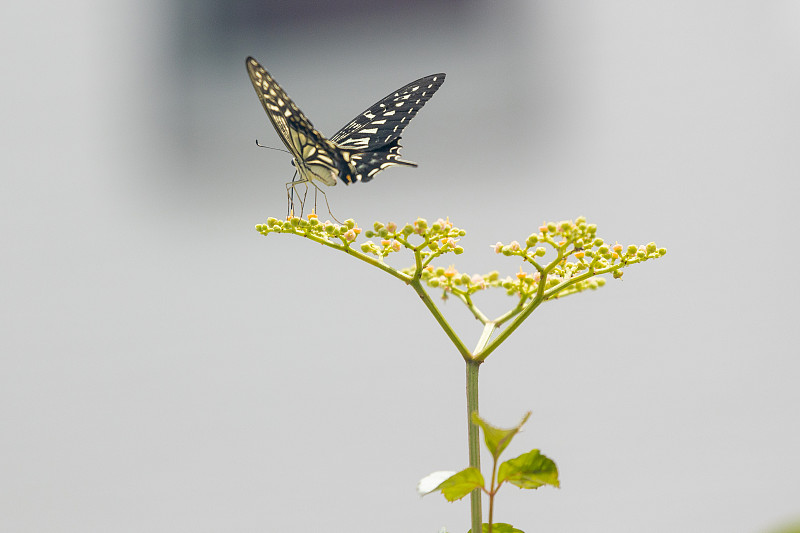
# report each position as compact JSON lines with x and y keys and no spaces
{"x":315,"y":157}
{"x":374,"y":135}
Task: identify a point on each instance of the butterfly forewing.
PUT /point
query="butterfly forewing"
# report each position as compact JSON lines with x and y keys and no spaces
{"x":385,"y":120}
{"x":374,"y":135}
{"x":315,"y":156}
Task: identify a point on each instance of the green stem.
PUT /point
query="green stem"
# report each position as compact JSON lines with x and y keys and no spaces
{"x":473,"y":435}
{"x":426,"y":299}
{"x":474,"y":440}
{"x":492,"y":492}
{"x":526,"y":311}
{"x":350,"y":251}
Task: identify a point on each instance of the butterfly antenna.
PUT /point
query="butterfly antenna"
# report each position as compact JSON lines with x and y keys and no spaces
{"x":271,"y":148}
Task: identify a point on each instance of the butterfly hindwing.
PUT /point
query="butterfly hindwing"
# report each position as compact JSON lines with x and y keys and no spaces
{"x":367,"y":164}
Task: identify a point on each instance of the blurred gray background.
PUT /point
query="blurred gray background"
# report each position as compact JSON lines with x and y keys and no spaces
{"x":165,"y":368}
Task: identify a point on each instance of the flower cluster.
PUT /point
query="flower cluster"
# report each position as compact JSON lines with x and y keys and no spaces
{"x":564,"y":257}
{"x":429,"y":241}
{"x":556,"y":242}
{"x":311,"y":226}
{"x":568,"y":239}
{"x":579,"y":240}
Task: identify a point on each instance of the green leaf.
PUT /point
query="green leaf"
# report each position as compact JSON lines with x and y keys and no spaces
{"x":431,"y":482}
{"x":500,"y":527}
{"x":529,"y":471}
{"x":459,"y":485}
{"x":496,"y":438}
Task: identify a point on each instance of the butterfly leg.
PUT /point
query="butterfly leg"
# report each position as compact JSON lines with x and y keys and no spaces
{"x":325,"y":196}
{"x":303,"y":202}
{"x":290,"y":187}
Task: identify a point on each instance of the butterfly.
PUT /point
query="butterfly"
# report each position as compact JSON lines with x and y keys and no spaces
{"x":366,"y":145}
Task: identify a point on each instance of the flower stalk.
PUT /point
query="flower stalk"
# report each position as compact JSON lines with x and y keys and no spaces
{"x":565,"y":257}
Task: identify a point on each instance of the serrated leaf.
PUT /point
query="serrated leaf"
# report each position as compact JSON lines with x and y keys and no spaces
{"x":500,"y":527}
{"x":497,"y":438}
{"x":529,"y":471}
{"x":459,"y":485}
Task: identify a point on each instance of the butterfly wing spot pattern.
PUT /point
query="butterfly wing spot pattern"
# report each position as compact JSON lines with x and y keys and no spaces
{"x":366,"y":145}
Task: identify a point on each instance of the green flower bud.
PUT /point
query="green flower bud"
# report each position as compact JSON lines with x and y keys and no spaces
{"x":591,"y":228}
{"x":384,"y":233}
{"x":580,"y":220}
{"x":439,"y":271}
{"x":552,"y":227}
{"x":662,"y":251}
{"x":436,"y":227}
{"x":377,"y":226}
{"x":540,"y":251}
{"x":461,"y":233}
{"x":408,"y":229}
{"x":434,"y":282}
{"x":618,"y":274}
{"x":603,"y":250}
{"x":350,"y":223}
{"x":494,"y":275}
{"x":641,"y":253}
{"x":271,"y":221}
{"x":651,"y":247}
{"x":366,"y":247}
{"x":597,"y":242}
{"x":433,"y":245}
{"x":422,"y":223}
{"x":369,"y":234}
